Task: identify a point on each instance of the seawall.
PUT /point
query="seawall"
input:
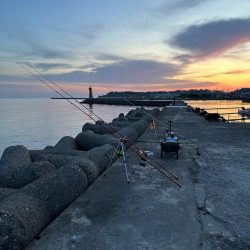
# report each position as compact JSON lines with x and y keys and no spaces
{"x":37,"y":185}
{"x":210,"y":211}
{"x":132,"y":101}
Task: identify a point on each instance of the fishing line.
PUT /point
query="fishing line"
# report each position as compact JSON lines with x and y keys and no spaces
{"x":67,"y":93}
{"x":37,"y":77}
{"x":159,"y":167}
{"x":149,"y":159}
{"x":153,"y":117}
{"x":131,"y":144}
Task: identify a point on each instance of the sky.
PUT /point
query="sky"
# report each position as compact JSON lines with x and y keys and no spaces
{"x":123,"y":45}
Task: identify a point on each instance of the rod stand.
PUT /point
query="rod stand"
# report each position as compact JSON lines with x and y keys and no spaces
{"x":121,"y":151}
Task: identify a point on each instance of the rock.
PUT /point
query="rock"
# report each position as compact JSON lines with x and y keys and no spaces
{"x":131,"y":130}
{"x":32,"y":172}
{"x":99,"y":129}
{"x":120,"y":124}
{"x":57,"y":160}
{"x":121,"y":118}
{"x":99,"y":122}
{"x":138,"y":112}
{"x":139,"y":126}
{"x":38,"y":155}
{"x":58,"y":189}
{"x":101,"y":156}
{"x":88,"y":140}
{"x":151,"y":114}
{"x":141,"y":112}
{"x":66,"y":143}
{"x":25,"y":174}
{"x":133,"y":118}
{"x":24,"y":214}
{"x":86,"y":165}
{"x":11,"y":163}
{"x":15,"y":156}
{"x":4,"y":192}
{"x":22,"y":217}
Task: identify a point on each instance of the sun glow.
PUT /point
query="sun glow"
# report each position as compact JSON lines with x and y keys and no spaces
{"x":224,"y":72}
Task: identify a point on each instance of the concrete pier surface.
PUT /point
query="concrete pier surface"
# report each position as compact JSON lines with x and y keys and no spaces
{"x":210,"y":211}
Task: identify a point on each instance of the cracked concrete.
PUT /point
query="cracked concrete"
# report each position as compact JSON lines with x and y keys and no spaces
{"x":221,"y":155}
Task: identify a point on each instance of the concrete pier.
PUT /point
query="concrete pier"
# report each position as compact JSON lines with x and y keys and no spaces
{"x":210,"y":211}
{"x":46,"y":181}
{"x":132,"y":101}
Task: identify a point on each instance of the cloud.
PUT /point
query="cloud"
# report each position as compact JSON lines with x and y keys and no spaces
{"x":184,"y":58}
{"x":26,"y":43}
{"x":233,"y":72}
{"x":108,"y":57}
{"x":171,"y":7}
{"x":213,"y":38}
{"x":47,"y":66}
{"x":92,"y":31}
{"x":35,"y":48}
{"x":126,"y":71}
{"x":186,"y":4}
{"x":191,"y":84}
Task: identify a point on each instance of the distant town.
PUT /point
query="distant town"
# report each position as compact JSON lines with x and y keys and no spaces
{"x":194,"y":94}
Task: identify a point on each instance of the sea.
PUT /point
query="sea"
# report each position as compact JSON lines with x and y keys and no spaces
{"x":37,"y":123}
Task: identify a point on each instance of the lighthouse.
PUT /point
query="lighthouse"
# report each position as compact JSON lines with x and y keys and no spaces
{"x":90,"y":93}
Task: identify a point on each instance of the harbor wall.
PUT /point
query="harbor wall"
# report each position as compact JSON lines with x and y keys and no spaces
{"x":132,"y":102}
{"x":37,"y":185}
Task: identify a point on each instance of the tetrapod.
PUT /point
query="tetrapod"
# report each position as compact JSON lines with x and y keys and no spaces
{"x":121,"y":151}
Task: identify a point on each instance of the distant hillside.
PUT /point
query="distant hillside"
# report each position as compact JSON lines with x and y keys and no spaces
{"x":243,"y":93}
{"x":206,"y":94}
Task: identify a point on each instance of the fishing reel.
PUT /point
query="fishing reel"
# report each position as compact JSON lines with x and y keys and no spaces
{"x":124,"y":139}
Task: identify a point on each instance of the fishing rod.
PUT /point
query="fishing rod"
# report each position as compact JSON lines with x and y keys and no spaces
{"x":131,"y":103}
{"x":152,"y":162}
{"x":41,"y":80}
{"x":131,"y":144}
{"x":65,"y":92}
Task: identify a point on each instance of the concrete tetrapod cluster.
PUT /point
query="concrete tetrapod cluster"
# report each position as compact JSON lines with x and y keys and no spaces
{"x":36,"y":185}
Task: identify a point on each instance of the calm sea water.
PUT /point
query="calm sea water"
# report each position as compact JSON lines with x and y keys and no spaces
{"x":216,"y":106}
{"x":36,"y":123}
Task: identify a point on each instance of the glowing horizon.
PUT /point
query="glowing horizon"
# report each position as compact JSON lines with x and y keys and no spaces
{"x":127,"y":46}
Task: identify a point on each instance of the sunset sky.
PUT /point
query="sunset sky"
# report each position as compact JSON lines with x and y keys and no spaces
{"x":134,"y":45}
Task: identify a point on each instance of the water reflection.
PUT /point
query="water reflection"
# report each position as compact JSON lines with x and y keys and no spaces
{"x":37,"y":123}
{"x":228,"y":109}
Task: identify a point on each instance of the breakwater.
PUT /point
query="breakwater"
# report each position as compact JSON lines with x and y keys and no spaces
{"x":210,"y":211}
{"x":132,"y":102}
{"x":37,"y":185}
